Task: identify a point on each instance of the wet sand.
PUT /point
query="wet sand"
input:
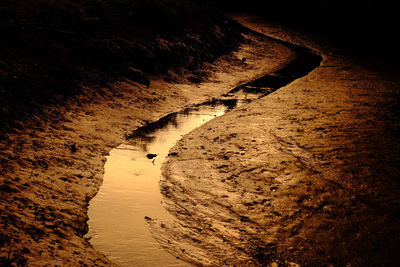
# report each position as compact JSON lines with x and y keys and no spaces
{"x":306,"y":175}
{"x":50,"y":171}
{"x":130,"y":193}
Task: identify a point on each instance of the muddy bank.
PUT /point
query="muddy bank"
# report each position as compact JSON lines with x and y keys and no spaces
{"x":130,"y":195}
{"x":53,"y":167}
{"x":50,"y":50}
{"x":305,"y":175}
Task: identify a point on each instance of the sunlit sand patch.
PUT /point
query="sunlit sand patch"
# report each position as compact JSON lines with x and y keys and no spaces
{"x":130,"y":194}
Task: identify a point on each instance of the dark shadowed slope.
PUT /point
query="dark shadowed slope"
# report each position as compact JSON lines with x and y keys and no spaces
{"x":49,"y":50}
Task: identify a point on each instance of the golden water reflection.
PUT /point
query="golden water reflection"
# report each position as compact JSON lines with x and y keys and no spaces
{"x":130,"y":192}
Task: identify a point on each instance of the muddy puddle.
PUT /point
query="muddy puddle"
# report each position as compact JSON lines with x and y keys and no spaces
{"x":130,"y":193}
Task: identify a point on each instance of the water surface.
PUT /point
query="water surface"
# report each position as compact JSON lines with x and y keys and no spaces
{"x":130,"y":191}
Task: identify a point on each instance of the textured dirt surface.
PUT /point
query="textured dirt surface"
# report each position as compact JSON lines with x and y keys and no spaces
{"x":50,"y":49}
{"x":305,"y":175}
{"x":54,"y":166}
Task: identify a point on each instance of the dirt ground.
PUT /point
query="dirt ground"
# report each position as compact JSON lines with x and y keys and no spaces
{"x":307,"y":175}
{"x":53,"y":167}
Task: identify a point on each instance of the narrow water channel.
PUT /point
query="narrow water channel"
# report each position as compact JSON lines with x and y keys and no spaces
{"x":130,"y":190}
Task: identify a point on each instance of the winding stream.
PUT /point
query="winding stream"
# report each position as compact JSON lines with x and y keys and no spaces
{"x":130,"y":192}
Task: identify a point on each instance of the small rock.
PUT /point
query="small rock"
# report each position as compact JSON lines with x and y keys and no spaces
{"x":151,"y":156}
{"x":73,"y":148}
{"x":244,"y":219}
{"x":277,"y":213}
{"x":222,"y":166}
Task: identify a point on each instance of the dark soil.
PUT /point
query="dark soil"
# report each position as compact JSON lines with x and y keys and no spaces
{"x":50,"y":50}
{"x":364,"y":28}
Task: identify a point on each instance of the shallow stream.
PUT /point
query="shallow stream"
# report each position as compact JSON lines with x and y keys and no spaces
{"x":131,"y":192}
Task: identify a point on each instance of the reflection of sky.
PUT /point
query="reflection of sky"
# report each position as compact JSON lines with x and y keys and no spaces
{"x":131,"y":191}
{"x":131,"y":181}
{"x":160,"y":139}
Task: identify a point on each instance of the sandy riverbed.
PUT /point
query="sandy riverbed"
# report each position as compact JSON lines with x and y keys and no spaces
{"x":306,"y":175}
{"x":50,"y":171}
